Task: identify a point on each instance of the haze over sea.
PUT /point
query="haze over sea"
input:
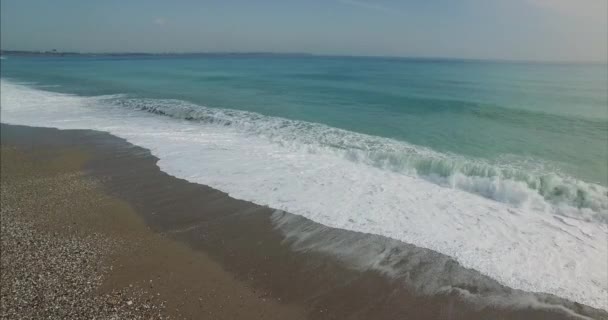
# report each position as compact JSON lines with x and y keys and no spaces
{"x":500,"y":165}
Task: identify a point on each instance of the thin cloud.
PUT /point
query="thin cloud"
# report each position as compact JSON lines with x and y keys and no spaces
{"x":160,"y":21}
{"x":369,"y":6}
{"x":594,"y":9}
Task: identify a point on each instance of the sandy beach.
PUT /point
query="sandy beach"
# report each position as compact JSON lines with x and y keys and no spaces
{"x":70,"y":250}
{"x":91,"y":228}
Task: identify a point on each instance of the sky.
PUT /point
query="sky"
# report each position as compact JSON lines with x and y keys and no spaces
{"x":555,"y":30}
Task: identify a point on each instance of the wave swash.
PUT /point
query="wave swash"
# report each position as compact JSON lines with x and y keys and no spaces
{"x":525,"y":225}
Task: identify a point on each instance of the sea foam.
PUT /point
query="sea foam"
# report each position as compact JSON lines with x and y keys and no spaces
{"x":501,"y":220}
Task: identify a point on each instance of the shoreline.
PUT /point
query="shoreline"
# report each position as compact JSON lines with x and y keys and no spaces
{"x":71,"y":251}
{"x":302,"y":168}
{"x":263,"y":249}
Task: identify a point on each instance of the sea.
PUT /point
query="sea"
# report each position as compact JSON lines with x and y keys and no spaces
{"x":500,"y":165}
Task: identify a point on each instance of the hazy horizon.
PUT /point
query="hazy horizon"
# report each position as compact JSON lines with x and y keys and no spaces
{"x":518,"y":30}
{"x":244,"y":53}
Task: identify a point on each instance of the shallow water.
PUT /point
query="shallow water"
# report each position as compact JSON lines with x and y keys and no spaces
{"x":499,"y":165}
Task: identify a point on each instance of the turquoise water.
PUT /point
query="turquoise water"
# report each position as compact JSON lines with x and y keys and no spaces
{"x":552,"y":115}
{"x":502,"y":166}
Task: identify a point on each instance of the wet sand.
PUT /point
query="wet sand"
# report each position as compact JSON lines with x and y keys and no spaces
{"x":71,"y":251}
{"x":201,"y":254}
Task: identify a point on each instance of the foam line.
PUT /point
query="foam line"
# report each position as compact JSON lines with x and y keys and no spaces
{"x":522,"y":245}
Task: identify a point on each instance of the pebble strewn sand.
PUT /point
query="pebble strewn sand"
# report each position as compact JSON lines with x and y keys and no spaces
{"x":49,"y":268}
{"x":72,"y":251}
{"x":48,"y":277}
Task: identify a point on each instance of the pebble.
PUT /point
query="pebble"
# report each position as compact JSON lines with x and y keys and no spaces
{"x":51,"y":275}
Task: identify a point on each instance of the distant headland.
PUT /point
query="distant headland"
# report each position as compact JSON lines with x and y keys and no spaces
{"x":55,"y":52}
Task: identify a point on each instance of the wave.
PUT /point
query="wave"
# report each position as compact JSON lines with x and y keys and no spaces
{"x":426,"y":271}
{"x":520,"y":184}
{"x":490,"y":217}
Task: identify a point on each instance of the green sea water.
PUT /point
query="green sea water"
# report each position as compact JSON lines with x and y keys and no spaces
{"x":536,"y":114}
{"x":502,"y":166}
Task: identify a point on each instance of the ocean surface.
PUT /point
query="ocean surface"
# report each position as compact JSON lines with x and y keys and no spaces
{"x":501,"y":165}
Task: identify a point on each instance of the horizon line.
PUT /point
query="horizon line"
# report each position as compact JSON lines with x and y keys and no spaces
{"x":412,"y":57}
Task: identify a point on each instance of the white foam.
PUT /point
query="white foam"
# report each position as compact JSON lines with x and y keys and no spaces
{"x":520,"y":246}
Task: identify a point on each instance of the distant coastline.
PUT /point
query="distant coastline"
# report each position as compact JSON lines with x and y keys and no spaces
{"x":58,"y":53}
{"x":71,"y":53}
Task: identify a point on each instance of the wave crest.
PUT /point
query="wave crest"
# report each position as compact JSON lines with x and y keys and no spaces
{"x":538,"y":186}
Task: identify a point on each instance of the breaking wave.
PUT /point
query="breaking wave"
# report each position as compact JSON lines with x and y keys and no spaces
{"x":539,"y":186}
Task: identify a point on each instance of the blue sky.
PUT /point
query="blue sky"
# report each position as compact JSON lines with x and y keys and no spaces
{"x":494,"y":29}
